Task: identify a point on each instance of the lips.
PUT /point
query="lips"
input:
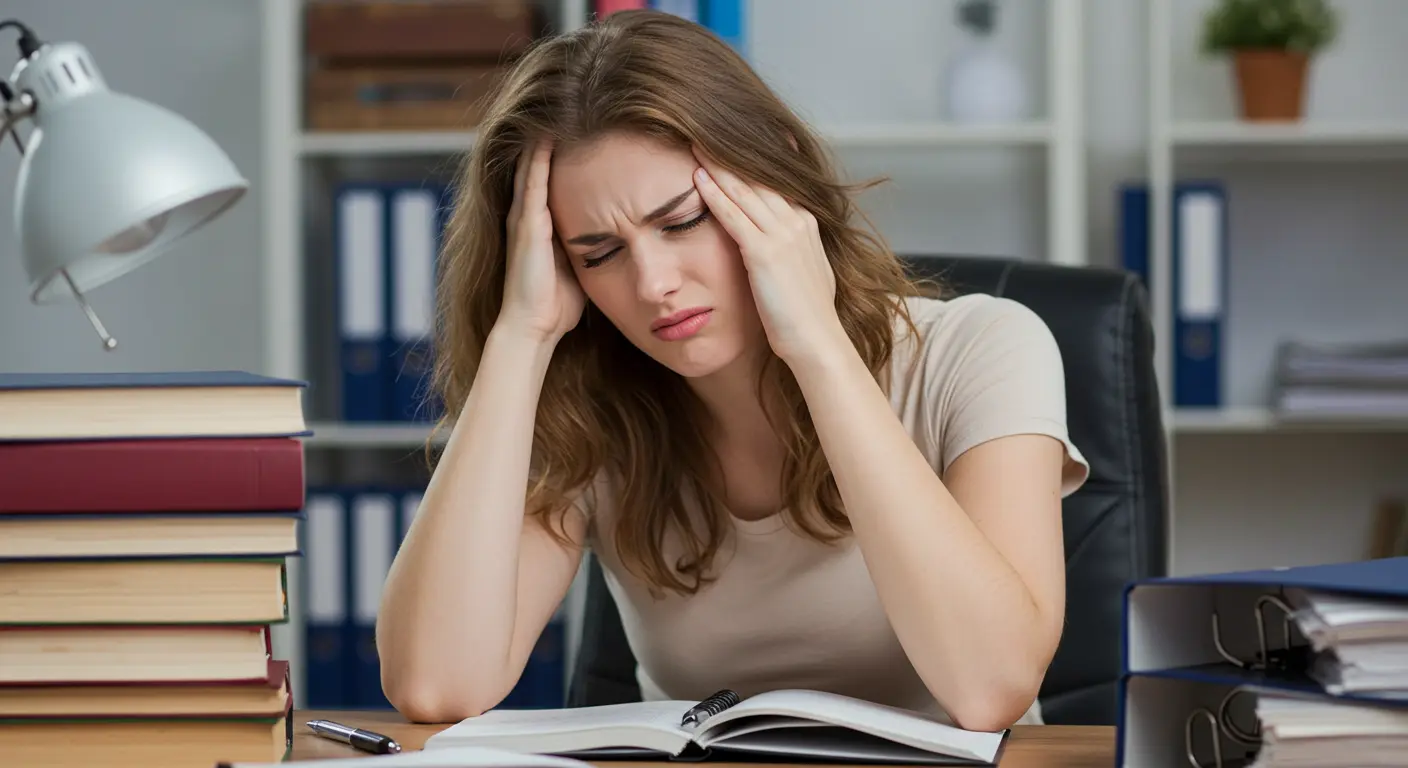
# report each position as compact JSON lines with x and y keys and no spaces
{"x":677,"y":317}
{"x":681,"y":325}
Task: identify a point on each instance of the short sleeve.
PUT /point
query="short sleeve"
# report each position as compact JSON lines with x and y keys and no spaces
{"x":995,"y":370}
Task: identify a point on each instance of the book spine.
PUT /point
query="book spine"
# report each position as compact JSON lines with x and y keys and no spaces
{"x":242,"y":474}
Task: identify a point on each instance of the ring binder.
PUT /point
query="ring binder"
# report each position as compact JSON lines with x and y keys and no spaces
{"x":709,"y":707}
{"x":1288,"y":658}
{"x":1221,"y":725}
{"x":1182,"y":685}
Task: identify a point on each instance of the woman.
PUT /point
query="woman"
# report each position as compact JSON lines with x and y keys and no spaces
{"x":658,"y":318}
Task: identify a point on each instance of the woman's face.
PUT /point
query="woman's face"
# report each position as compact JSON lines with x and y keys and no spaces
{"x":648,"y":254}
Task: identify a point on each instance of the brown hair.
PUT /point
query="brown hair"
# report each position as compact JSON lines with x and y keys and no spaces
{"x":605,"y":405}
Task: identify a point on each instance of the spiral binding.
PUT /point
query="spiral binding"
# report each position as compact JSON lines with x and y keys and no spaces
{"x":710,"y":707}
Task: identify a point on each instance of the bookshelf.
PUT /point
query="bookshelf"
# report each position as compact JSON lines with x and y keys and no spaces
{"x":1323,"y":184}
{"x":298,"y":164}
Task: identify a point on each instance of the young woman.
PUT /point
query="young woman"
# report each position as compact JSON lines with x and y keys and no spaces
{"x":658,"y":317}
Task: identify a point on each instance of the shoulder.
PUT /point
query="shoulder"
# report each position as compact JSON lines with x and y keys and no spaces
{"x":965,"y":334}
{"x":981,"y":367}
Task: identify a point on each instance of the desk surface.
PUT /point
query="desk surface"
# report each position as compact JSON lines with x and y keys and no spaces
{"x":1030,"y":746}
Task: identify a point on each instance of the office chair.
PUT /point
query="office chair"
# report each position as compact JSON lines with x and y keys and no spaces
{"x":1113,"y":525}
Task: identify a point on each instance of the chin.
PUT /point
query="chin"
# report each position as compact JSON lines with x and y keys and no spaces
{"x":694,"y":358}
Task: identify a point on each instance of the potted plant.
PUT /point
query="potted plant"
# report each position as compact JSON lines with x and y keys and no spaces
{"x":1271,"y":43}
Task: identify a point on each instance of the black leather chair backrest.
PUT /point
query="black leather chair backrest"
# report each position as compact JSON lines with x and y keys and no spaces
{"x":1114,"y":525}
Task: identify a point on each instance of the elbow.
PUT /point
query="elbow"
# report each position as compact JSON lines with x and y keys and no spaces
{"x":991,"y":712}
{"x":425,"y":693}
{"x":432,"y":700}
{"x":997,"y":703}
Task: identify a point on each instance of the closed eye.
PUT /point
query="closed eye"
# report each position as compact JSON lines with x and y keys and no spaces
{"x":673,"y":229}
{"x":685,"y":226}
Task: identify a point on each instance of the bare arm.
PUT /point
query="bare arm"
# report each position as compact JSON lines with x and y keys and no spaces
{"x":969,"y":567}
{"x":474,"y":582}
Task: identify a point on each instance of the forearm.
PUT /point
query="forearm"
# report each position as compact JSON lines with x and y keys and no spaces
{"x":450,"y":602}
{"x":967,"y":621}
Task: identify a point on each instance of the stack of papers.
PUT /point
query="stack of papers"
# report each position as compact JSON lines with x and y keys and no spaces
{"x":1360,"y":643}
{"x":1304,"y":731}
{"x":1356,"y":380}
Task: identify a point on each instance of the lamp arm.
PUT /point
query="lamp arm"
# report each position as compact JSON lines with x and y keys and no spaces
{"x":29,"y":42}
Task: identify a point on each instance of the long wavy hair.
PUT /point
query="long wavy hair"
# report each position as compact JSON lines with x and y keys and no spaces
{"x":605,"y":405}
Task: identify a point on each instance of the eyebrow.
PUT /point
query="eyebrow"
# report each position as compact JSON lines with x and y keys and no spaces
{"x":664,"y":210}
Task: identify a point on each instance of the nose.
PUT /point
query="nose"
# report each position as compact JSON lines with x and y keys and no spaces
{"x":658,"y":274}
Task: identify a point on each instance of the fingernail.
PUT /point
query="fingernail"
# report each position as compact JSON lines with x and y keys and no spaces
{"x":701,"y":174}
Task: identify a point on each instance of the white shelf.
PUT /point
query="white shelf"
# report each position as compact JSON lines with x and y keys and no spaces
{"x":936,"y":134}
{"x":876,"y":135}
{"x":374,"y":143}
{"x":368,"y":435}
{"x":1249,"y":420}
{"x":1235,"y":133}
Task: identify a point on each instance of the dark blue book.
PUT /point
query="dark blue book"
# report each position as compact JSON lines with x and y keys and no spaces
{"x":155,"y":404}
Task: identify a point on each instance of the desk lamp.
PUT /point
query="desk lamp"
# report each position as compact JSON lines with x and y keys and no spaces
{"x":107,"y":182}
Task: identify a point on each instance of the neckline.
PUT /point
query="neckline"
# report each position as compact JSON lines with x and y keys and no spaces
{"x":762,"y":526}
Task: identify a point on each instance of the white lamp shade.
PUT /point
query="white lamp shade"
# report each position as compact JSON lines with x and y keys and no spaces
{"x":108,"y":182}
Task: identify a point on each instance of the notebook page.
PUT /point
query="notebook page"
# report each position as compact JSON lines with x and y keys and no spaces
{"x":899,"y":725}
{"x":502,"y":724}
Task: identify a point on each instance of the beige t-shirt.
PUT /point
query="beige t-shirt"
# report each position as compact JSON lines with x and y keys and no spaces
{"x":786,"y":612}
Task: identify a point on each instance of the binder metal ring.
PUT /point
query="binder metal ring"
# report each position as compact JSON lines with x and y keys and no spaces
{"x":1267,"y":658}
{"x":1188,"y":739}
{"x":1220,"y":725}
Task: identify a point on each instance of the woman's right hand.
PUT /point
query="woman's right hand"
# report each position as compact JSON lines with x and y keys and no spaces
{"x":541,"y":295}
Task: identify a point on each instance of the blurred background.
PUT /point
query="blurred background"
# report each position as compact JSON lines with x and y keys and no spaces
{"x":1026,"y":129}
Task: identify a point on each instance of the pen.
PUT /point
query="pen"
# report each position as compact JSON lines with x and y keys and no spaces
{"x":366,"y":741}
{"x":711,"y":706}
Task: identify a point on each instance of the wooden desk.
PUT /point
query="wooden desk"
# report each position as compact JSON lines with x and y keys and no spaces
{"x":1030,"y":746}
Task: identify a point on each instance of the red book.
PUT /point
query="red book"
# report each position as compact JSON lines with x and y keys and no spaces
{"x":178,"y":475}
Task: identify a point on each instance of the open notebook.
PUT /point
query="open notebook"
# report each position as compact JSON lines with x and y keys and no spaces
{"x":795,"y":725}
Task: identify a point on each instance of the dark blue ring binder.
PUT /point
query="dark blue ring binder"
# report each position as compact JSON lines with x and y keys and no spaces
{"x":1221,"y":725}
{"x":1289,"y":658}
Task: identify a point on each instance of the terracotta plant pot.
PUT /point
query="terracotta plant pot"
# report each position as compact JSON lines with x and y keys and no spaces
{"x":1271,"y":84}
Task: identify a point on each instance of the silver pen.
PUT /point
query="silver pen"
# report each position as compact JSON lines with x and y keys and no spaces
{"x":367,"y":741}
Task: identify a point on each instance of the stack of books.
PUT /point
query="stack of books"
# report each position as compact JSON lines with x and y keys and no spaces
{"x":1341,"y":381}
{"x":1301,"y":666}
{"x":145,"y":522}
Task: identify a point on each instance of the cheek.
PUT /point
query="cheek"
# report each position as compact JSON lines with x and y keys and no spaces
{"x":607,"y":288}
{"x":725,"y":263}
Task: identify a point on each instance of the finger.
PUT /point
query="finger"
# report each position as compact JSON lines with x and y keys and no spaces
{"x":520,"y":171}
{"x":741,"y":192}
{"x":725,"y":211}
{"x":520,"y":178}
{"x":781,"y":209}
{"x":536,"y":191}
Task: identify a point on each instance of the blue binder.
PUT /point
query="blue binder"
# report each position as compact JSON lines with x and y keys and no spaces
{"x":1200,"y":292}
{"x":325,"y":534}
{"x":1192,"y":644}
{"x":412,"y":260}
{"x":360,"y":226}
{"x":728,"y":20}
{"x":375,"y":516}
{"x":1198,"y":255}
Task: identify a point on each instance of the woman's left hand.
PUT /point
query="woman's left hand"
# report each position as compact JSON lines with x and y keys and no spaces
{"x":793,"y":284}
